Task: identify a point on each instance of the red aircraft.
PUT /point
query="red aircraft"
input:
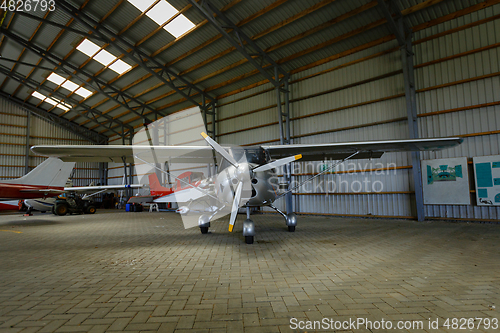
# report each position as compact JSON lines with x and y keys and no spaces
{"x":46,"y":180}
{"x":184,"y":181}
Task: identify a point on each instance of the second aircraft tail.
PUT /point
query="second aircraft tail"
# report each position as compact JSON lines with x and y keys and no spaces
{"x":52,"y":172}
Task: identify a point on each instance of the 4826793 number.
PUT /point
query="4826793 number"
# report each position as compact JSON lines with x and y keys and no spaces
{"x":28,"y":5}
{"x":471,"y":323}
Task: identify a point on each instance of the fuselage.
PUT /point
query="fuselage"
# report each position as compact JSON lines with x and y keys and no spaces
{"x":24,"y":191}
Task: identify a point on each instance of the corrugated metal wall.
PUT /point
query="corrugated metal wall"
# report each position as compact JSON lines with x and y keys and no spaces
{"x":456,"y":69}
{"x":13,"y":128}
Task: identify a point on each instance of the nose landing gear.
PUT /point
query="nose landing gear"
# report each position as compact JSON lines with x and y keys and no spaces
{"x":248,"y":228}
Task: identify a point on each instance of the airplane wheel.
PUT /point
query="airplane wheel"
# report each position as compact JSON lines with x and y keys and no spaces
{"x":249,"y":239}
{"x":204,"y":230}
{"x":61,"y":209}
{"x":90,"y":210}
{"x":291,"y":228}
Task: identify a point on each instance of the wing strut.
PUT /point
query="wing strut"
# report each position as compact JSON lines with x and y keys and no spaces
{"x":317,"y":175}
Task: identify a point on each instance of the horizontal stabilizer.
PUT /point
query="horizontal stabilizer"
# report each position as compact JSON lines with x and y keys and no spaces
{"x":142,"y":199}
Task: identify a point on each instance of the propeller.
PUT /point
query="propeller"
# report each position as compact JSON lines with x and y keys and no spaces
{"x":218,"y":148}
{"x":236,"y":204}
{"x":277,"y":163}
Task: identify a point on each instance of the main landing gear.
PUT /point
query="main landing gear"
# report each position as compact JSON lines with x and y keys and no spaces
{"x":248,"y":224}
{"x":290,"y":219}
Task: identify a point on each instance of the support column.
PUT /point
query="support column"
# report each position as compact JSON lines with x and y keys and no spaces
{"x":411,"y":109}
{"x":210,"y":109}
{"x":404,"y":36}
{"x":130,"y":171}
{"x":284,"y":124}
{"x":27,"y":154}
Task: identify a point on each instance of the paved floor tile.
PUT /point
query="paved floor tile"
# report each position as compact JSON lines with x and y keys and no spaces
{"x":134,"y":272}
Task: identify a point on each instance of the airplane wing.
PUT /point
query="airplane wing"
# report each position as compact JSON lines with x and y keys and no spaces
{"x":82,"y":189}
{"x":366,"y":149}
{"x":116,"y":153}
{"x":100,"y":187}
{"x":204,"y":154}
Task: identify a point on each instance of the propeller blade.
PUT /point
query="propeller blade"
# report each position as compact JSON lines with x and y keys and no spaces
{"x":236,"y":204}
{"x":277,"y":163}
{"x":218,"y":148}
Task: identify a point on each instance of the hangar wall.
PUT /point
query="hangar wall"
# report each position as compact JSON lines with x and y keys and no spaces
{"x":361,"y":97}
{"x":13,"y":131}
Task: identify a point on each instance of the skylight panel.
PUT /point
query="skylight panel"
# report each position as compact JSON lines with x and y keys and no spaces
{"x":120,"y":66}
{"x":83,"y":92}
{"x":60,"y":106}
{"x":161,"y":12}
{"x":104,"y":57}
{"x":88,"y":48}
{"x":50,"y":101}
{"x":179,"y":26}
{"x":38,"y":95}
{"x":57,"y":79}
{"x":142,"y":5}
{"x":70,"y":85}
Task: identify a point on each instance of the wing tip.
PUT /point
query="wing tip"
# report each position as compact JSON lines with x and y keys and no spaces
{"x":231,"y":228}
{"x":298,"y":157}
{"x":204,"y":135}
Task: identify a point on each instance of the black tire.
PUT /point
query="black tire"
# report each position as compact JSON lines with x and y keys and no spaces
{"x":53,"y":209}
{"x":61,"y":209}
{"x":204,"y":230}
{"x":291,"y":228}
{"x":90,"y":210}
{"x":249,"y":239}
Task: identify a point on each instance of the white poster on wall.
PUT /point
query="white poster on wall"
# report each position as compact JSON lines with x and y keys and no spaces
{"x":487,"y":176}
{"x":446,"y":181}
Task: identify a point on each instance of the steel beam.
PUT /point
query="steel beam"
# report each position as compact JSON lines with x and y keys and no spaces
{"x":96,"y":83}
{"x":244,"y":44}
{"x":81,"y":131}
{"x":404,"y":36}
{"x":17,"y":62}
{"x":30,"y":83}
{"x":148,"y":63}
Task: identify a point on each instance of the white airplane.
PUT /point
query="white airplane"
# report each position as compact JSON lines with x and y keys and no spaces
{"x":247,"y":175}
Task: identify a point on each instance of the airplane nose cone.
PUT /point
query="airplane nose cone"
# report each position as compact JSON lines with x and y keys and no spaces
{"x":243,"y":172}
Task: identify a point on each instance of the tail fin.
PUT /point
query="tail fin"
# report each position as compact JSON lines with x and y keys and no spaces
{"x":154,"y":184}
{"x":52,"y":172}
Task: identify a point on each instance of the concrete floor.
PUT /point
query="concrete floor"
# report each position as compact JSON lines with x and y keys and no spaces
{"x":145,"y":272}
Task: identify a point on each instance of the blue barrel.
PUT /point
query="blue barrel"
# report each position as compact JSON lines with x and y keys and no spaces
{"x":127,"y":207}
